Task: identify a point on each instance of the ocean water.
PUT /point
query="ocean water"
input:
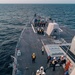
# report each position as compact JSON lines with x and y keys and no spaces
{"x":14,"y":17}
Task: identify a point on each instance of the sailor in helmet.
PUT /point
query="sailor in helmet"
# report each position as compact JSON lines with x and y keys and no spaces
{"x":33,"y":57}
{"x":48,"y":58}
{"x":54,"y":63}
{"x":42,"y":50}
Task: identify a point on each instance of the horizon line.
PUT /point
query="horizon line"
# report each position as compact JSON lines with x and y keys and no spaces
{"x":37,"y":3}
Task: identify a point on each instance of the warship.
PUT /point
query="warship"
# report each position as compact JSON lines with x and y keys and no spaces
{"x":56,"y":40}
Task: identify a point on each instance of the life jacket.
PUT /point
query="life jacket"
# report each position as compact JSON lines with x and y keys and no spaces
{"x":53,"y":62}
{"x":33,"y":56}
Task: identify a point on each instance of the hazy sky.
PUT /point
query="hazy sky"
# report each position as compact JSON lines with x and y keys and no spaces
{"x":37,"y":1}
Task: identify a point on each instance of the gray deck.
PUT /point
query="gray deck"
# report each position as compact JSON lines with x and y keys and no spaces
{"x":31,"y":42}
{"x":28,"y":44}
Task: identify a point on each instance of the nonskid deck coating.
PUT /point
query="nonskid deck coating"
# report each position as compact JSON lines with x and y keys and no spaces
{"x":31,"y":42}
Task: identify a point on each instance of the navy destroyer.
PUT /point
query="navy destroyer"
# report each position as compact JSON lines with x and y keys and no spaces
{"x":56,"y":40}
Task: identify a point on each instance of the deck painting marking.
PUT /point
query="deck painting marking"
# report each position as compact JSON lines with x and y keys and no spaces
{"x":63,"y":40}
{"x":60,"y":30}
{"x":42,"y":42}
{"x":33,"y":28}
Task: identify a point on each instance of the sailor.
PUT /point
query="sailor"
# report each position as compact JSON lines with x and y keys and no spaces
{"x":62,"y":57}
{"x":41,"y":70}
{"x":53,"y":63}
{"x":63,"y":60}
{"x":42,"y":50}
{"x":42,"y":30}
{"x":33,"y":57}
{"x":48,"y":58}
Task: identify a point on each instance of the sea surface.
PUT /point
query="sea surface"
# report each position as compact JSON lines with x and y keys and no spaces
{"x":14,"y":17}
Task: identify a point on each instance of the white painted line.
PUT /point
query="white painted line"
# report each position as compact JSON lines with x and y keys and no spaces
{"x":60,"y":30}
{"x":33,"y":28}
{"x":63,"y":40}
{"x":42,"y":42}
